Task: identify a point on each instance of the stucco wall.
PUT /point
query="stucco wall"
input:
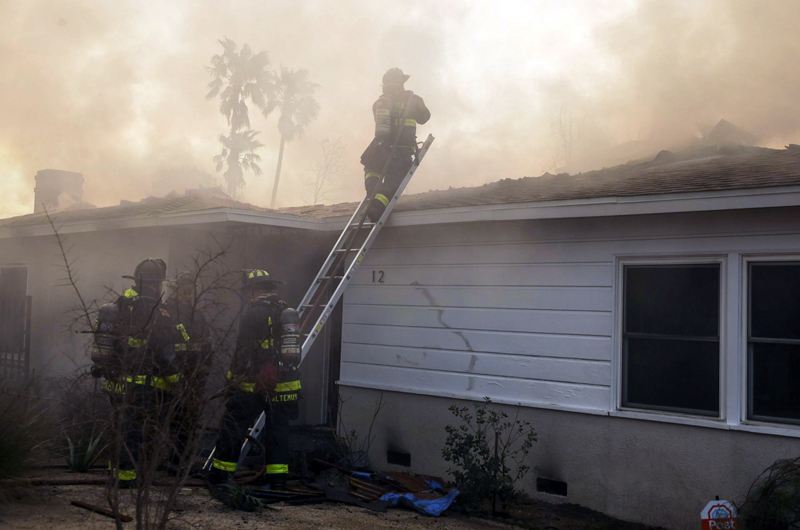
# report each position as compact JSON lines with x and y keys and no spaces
{"x":655,"y":473}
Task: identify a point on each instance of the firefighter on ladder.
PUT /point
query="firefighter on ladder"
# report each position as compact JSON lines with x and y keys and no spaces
{"x":132,"y":339}
{"x":397,"y":111}
{"x":260,"y":382}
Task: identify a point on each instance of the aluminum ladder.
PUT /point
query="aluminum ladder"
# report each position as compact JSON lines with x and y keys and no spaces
{"x":312,"y":307}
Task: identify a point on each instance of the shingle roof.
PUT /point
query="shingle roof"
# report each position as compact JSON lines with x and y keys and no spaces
{"x":192,"y":201}
{"x":707,"y":169}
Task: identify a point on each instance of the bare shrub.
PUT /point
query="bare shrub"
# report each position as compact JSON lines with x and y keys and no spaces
{"x":773,"y":501}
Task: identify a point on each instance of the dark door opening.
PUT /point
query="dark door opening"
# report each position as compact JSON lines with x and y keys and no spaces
{"x":15,"y":323}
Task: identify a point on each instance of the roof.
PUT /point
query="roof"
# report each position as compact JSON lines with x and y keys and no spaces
{"x":693,"y":170}
{"x":192,"y":201}
{"x":687,"y":172}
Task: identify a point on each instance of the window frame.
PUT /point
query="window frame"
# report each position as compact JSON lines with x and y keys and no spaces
{"x":655,"y":413}
{"x":744,"y":360}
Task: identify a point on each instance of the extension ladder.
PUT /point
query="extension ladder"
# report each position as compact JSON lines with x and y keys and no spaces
{"x":346,"y":245}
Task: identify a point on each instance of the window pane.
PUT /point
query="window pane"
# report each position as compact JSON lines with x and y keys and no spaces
{"x":672,"y":300}
{"x":775,"y":300}
{"x":774,"y":373}
{"x":680,"y":375}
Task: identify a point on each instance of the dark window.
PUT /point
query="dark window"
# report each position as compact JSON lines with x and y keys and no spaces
{"x":773,"y":342}
{"x":670,"y":350}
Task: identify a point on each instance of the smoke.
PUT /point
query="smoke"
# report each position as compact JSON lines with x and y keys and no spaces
{"x":115,"y":90}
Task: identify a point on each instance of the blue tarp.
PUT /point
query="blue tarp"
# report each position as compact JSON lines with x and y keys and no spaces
{"x":433,"y":507}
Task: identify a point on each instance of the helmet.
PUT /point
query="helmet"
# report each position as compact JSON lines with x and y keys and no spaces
{"x":151,"y":269}
{"x":394,"y":76}
{"x":258,"y":277}
{"x":183,"y":278}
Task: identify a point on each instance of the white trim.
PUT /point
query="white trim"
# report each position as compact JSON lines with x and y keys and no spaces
{"x":746,"y":260}
{"x":699,"y":421}
{"x":455,"y":395}
{"x":606,"y":206}
{"x":661,"y":417}
{"x":616,"y":360}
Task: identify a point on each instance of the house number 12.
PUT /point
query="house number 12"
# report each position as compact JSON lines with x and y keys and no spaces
{"x":377,"y":276}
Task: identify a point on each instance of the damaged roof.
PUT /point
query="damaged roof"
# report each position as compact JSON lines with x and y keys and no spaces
{"x":691,"y":170}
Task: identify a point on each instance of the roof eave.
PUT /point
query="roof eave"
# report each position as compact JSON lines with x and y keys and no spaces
{"x":738,"y":199}
{"x":203,"y":217}
{"x":773,"y":197}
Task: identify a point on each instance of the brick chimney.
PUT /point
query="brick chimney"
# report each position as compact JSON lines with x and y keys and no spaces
{"x":57,"y":190}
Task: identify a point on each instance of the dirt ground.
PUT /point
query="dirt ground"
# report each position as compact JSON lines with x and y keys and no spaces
{"x":50,"y":508}
{"x":46,"y":507}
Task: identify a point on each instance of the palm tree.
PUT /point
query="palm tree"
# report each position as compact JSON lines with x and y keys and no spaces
{"x":237,"y":77}
{"x":294,"y":96}
{"x":238,"y":152}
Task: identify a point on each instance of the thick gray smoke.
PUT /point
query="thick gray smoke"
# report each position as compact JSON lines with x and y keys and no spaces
{"x":115,"y":90}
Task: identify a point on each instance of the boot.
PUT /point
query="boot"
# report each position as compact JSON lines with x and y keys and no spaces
{"x":376,"y":208}
{"x":215,"y":477}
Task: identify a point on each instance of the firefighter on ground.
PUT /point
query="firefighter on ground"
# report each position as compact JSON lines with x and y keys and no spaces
{"x":133,"y":340}
{"x":397,"y":113}
{"x":191,"y":345}
{"x":260,"y":381}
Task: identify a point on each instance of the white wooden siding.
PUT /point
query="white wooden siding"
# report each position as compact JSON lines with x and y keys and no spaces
{"x":519,"y":311}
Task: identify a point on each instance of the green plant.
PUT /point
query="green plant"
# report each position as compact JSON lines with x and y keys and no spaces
{"x":82,"y":454}
{"x":773,"y":501}
{"x":488,"y":451}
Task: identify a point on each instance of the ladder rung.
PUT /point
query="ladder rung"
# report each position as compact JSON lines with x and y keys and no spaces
{"x":364,"y":225}
{"x":340,"y":250}
{"x":328,"y":278}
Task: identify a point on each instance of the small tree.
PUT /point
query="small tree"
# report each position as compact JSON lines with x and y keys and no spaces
{"x":327,"y":169}
{"x":773,"y":501}
{"x":483,"y":450}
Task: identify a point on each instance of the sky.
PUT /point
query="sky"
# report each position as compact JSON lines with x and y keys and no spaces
{"x":115,"y":90}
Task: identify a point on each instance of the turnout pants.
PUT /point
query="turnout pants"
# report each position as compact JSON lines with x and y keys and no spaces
{"x":241,"y":411}
{"x":386,"y":184}
{"x":140,"y":408}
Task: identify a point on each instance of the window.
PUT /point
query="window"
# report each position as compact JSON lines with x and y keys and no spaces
{"x":670,"y":338}
{"x":773,"y":342}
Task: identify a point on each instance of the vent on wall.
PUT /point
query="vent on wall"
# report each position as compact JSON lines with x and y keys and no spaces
{"x":397,"y":458}
{"x":553,"y":487}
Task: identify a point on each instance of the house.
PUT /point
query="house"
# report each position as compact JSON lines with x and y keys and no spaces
{"x":40,"y":312}
{"x":643,"y":316}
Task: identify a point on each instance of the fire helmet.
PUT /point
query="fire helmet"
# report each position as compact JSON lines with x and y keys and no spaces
{"x":394,"y":76}
{"x":258,"y":277}
{"x":150,"y":270}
